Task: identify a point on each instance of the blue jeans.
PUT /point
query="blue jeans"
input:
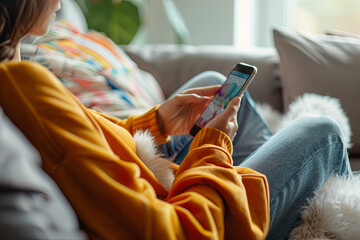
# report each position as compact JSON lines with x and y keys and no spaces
{"x":296,"y":161}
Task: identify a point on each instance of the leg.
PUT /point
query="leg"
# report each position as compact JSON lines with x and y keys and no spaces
{"x":297,"y":161}
{"x":203,"y":79}
{"x":252,"y":133}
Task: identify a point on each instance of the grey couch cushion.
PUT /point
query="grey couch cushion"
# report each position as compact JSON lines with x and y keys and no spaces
{"x":325,"y":65}
{"x":173,"y":65}
{"x":31,"y":205}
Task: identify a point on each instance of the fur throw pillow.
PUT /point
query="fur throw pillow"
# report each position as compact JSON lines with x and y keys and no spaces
{"x":308,"y":104}
{"x":334,"y":212}
{"x":148,"y":152}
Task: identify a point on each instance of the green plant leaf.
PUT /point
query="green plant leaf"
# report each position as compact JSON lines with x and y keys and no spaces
{"x":119,"y":20}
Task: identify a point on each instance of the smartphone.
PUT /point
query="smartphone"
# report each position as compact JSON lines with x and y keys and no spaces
{"x":236,"y":83}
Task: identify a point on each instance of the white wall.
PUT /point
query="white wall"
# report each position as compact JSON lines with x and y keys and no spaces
{"x":213,"y":21}
{"x":208,"y":21}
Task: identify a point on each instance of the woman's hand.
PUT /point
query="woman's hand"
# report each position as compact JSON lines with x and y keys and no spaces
{"x":178,"y":115}
{"x":227,"y":120}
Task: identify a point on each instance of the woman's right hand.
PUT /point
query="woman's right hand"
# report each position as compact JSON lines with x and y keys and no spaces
{"x":227,"y":120}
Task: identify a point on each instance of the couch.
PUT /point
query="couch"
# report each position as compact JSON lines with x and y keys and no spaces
{"x":172,"y":65}
{"x":296,"y":65}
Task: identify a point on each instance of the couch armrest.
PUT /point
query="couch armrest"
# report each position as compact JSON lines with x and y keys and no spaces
{"x":172,"y":65}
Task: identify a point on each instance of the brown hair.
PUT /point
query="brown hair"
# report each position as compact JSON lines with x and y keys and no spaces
{"x":17,"y":17}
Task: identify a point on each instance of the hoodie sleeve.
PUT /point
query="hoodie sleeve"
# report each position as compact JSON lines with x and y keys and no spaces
{"x":146,"y":121}
{"x":222,"y":190}
{"x":113,"y":199}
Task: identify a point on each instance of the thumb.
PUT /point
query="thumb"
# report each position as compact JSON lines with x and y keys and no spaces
{"x":184,"y":98}
{"x":232,"y":108}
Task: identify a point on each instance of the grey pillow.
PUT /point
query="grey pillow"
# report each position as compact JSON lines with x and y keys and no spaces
{"x":325,"y":65}
{"x":31,"y":205}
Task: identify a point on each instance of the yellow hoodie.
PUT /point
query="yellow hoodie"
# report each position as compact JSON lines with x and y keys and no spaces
{"x":92,"y":158}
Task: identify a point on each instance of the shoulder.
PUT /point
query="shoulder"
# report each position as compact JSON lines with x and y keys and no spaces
{"x":22,"y":68}
{"x":23,"y":65}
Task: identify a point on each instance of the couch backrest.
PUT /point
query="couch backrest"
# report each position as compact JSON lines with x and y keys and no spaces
{"x":71,"y":11}
{"x":172,"y":65}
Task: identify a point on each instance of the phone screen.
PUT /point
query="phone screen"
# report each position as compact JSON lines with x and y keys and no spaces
{"x":230,"y":89}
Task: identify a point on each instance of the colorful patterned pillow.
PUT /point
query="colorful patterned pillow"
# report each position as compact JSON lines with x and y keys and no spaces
{"x":96,"y":70}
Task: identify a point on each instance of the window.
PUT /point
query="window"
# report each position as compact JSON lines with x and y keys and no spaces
{"x":319,"y":16}
{"x":254,"y":19}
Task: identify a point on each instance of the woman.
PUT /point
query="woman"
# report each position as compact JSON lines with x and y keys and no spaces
{"x":93,"y":158}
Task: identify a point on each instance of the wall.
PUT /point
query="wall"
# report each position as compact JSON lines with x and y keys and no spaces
{"x":208,"y":21}
{"x":213,"y":21}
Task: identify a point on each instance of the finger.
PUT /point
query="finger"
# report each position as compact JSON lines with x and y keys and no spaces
{"x":203,"y":91}
{"x":182,"y":98}
{"x":236,"y":101}
{"x":233,"y":108}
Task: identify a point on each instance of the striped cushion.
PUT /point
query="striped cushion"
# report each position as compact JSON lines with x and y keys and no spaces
{"x":97,"y":71}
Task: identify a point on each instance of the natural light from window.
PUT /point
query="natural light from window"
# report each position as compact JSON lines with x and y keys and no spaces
{"x":319,"y":16}
{"x":255,"y":19}
{"x":243,"y":32}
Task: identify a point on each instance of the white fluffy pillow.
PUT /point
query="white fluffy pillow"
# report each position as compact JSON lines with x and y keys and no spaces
{"x":333,"y":213}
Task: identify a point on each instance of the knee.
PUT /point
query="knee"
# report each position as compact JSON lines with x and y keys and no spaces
{"x":318,"y":141}
{"x":317,"y":128}
{"x":213,"y":77}
{"x":328,"y":134}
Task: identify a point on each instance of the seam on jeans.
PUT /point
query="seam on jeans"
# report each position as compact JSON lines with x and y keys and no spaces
{"x":250,"y":153}
{"x":265,"y":123}
{"x":180,"y":146}
{"x":280,"y":223}
{"x":292,"y":177}
{"x":252,"y":105}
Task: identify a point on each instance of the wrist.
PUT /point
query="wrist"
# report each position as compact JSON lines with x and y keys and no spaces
{"x":212,"y":136}
{"x":148,"y":121}
{"x":160,"y":120}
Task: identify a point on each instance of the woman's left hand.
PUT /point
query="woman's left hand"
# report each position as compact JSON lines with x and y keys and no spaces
{"x":177,"y":115}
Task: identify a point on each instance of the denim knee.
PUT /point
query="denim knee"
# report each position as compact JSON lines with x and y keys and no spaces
{"x":320,"y":127}
{"x":324,"y":133}
{"x":213,"y":77}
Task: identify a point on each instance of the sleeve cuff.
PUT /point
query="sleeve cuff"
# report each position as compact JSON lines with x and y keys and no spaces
{"x":148,"y":121}
{"x":212,"y":136}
